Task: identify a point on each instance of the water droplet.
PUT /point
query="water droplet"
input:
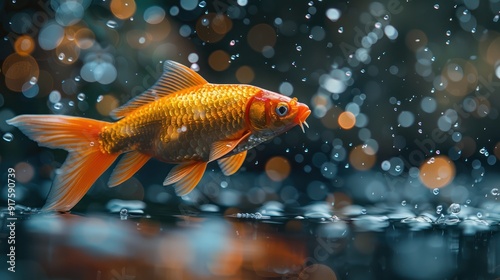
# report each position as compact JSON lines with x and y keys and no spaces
{"x":454,"y":208}
{"x":435,"y":191}
{"x":448,"y":42}
{"x":496,"y":18}
{"x":448,"y":33}
{"x":8,"y":137}
{"x":77,"y":78}
{"x":341,"y":29}
{"x":205,"y":22}
{"x":100,"y":98}
{"x":111,"y":24}
{"x":81,"y":96}
{"x":298,"y":48}
{"x":58,"y":106}
{"x":436,"y":6}
{"x":439,"y":209}
{"x":403,"y":203}
{"x":232,"y":43}
{"x":33,"y":81}
{"x":479,"y":215}
{"x":308,"y":16}
{"x":61,"y":56}
{"x":494,"y":191}
{"x":363,"y":211}
{"x":202,"y":4}
{"x":123,"y":214}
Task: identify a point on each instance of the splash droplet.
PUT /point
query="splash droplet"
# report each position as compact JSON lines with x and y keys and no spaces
{"x":8,"y":137}
{"x":454,"y":208}
{"x":81,"y":96}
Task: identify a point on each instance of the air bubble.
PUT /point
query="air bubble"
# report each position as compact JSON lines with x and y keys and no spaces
{"x":8,"y":137}
{"x":111,"y":24}
{"x":494,"y":191}
{"x":58,"y":106}
{"x":435,"y":191}
{"x":123,"y":214}
{"x":454,"y":208}
{"x":81,"y":96}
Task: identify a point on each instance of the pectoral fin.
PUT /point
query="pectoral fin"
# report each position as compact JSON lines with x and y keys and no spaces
{"x":221,"y":148}
{"x":129,"y":164}
{"x":185,"y":176}
{"x":231,"y":164}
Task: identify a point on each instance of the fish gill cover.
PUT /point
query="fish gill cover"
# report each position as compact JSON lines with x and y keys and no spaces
{"x":404,"y":125}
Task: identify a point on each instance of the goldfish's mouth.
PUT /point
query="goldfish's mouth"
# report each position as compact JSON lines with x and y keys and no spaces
{"x":304,"y":112}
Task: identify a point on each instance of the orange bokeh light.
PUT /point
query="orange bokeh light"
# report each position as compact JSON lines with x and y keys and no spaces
{"x":245,"y":74}
{"x":20,"y":71}
{"x":107,"y":104}
{"x":123,"y":9}
{"x":278,"y":168}
{"x":24,"y":45}
{"x":347,"y":120}
{"x":362,"y":157}
{"x":219,"y":60}
{"x":437,"y":172}
{"x":261,"y":35}
{"x":213,"y":27}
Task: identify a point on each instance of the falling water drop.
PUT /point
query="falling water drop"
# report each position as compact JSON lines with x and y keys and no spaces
{"x":8,"y":137}
{"x":123,"y":214}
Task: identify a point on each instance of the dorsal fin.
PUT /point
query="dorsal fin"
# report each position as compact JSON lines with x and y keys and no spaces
{"x":175,"y":77}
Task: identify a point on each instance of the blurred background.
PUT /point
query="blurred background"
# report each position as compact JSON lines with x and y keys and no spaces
{"x":402,"y":139}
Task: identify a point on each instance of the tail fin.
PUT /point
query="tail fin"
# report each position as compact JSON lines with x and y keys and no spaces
{"x":85,"y":162}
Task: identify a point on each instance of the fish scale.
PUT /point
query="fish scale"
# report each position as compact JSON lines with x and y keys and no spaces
{"x":194,"y":119}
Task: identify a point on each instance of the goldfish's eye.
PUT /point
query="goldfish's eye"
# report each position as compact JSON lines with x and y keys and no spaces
{"x":282,"y":109}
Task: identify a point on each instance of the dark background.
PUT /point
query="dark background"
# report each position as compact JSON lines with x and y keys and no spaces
{"x":389,"y":80}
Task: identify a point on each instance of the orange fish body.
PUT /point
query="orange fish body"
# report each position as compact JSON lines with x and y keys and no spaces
{"x":182,"y":119}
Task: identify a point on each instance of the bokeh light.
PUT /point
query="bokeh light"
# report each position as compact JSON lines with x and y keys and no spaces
{"x":123,"y":9}
{"x":245,"y":74}
{"x":106,"y":104}
{"x":347,"y":120}
{"x":20,"y":71}
{"x":437,"y":172}
{"x":213,"y":27}
{"x":362,"y":157}
{"x":260,"y":36}
{"x":24,"y":45}
{"x":278,"y":168}
{"x":219,"y":60}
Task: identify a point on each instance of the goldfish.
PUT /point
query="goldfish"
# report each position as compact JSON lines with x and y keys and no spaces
{"x":182,"y":119}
